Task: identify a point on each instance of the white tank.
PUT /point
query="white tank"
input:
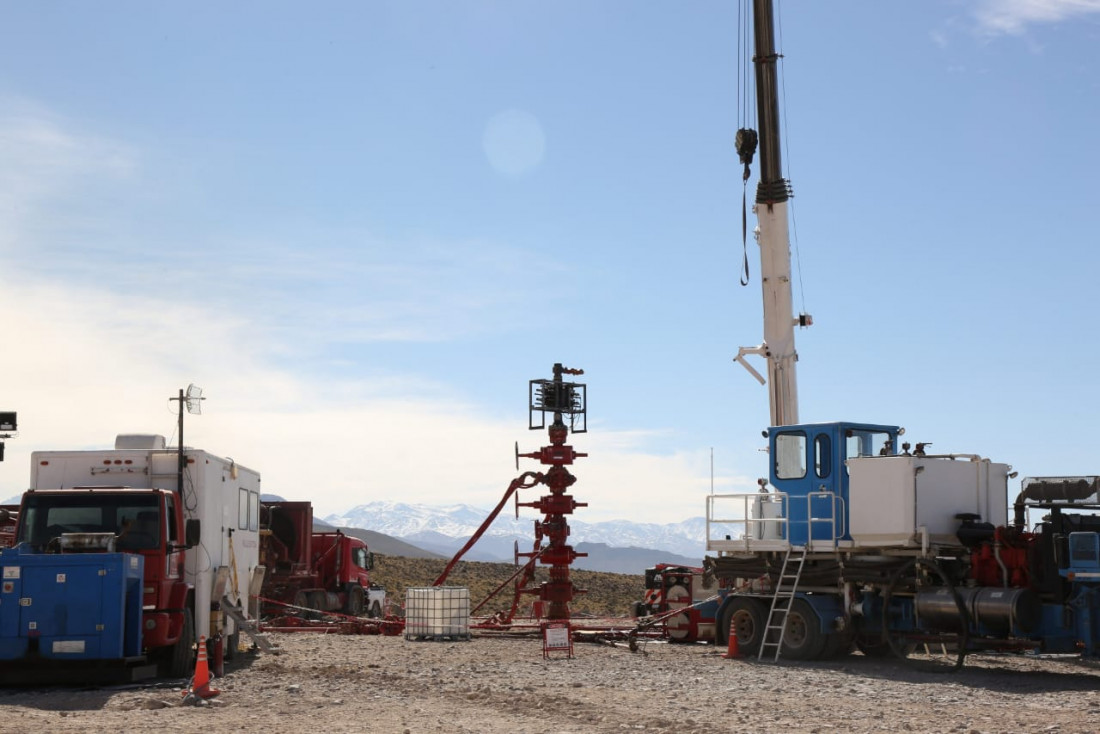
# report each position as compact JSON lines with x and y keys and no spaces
{"x":891,"y":498}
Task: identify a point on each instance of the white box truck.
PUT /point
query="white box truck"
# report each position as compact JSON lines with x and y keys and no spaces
{"x":195,"y":521}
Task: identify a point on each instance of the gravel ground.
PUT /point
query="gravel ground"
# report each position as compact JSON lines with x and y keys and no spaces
{"x":339,"y":683}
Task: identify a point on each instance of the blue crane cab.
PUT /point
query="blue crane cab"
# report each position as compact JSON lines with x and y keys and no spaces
{"x":808,"y":468}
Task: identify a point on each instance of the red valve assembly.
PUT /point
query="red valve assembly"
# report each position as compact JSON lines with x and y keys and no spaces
{"x":563,"y":400}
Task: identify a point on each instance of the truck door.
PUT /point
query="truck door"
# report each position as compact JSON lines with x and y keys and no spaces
{"x":790,"y":458}
{"x":826,"y":506}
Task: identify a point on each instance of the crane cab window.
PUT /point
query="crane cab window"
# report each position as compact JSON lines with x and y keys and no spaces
{"x":867,"y":443}
{"x":790,"y":455}
{"x":823,"y":455}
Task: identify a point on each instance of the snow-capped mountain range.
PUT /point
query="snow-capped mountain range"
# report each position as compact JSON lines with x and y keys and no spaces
{"x":444,"y":528}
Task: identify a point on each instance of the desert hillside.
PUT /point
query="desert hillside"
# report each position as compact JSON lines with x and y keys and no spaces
{"x":609,"y":594}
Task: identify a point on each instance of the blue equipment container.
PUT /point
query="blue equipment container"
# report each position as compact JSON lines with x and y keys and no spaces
{"x":70,"y":606}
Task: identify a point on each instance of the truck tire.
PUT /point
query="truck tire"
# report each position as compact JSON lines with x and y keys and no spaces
{"x":744,"y":617}
{"x":354,"y":604}
{"x":802,"y":638}
{"x":178,"y":661}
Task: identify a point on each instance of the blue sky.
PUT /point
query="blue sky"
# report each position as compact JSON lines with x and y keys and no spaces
{"x":362,"y":227}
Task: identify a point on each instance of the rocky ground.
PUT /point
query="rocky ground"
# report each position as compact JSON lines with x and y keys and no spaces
{"x":339,"y":683}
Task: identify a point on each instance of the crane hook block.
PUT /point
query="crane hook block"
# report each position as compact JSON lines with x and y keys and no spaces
{"x":746,"y":147}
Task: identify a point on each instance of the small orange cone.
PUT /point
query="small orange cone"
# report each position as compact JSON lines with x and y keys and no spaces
{"x":200,"y":684}
{"x":732,"y":653}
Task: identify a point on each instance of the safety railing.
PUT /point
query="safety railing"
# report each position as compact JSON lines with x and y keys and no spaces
{"x":835,"y":533}
{"x":744,"y":522}
{"x":758,"y":516}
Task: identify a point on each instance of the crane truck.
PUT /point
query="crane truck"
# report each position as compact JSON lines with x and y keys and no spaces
{"x":123,"y":557}
{"x":314,"y":571}
{"x":857,"y":538}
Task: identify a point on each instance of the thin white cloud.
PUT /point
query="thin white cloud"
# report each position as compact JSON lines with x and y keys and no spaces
{"x":1012,"y":17}
{"x":43,"y":163}
{"x":83,"y":375}
{"x":102,"y":332}
{"x":76,"y":207}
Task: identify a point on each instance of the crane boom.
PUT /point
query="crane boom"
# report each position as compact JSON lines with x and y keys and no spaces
{"x":772,"y":234}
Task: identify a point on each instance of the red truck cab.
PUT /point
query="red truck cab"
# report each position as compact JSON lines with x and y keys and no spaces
{"x":148,"y":522}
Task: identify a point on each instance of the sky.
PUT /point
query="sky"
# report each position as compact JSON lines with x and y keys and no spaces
{"x":363,"y":227}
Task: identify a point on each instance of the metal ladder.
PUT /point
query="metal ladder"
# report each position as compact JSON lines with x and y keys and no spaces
{"x":785,"y":588}
{"x":247,"y":626}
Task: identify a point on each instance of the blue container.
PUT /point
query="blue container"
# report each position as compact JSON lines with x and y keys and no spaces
{"x":70,"y":606}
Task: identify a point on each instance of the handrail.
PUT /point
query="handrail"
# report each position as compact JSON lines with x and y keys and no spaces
{"x":751,"y":517}
{"x":754,"y":527}
{"x":831,"y":518}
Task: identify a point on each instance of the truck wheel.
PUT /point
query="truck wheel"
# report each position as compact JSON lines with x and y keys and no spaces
{"x":744,"y":617}
{"x":802,"y":638}
{"x":178,"y":662}
{"x":354,"y":604}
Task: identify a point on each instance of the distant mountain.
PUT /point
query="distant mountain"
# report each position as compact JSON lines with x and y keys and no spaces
{"x":384,"y":544}
{"x":376,"y":542}
{"x":617,"y":546}
{"x":602,"y":557}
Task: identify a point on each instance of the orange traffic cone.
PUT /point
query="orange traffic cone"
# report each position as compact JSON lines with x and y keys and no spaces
{"x":200,"y":684}
{"x":732,"y":652}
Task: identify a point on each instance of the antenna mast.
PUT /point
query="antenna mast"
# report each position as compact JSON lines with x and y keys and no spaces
{"x":192,"y":400}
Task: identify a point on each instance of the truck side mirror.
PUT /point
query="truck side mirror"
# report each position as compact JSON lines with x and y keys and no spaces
{"x":191,"y":532}
{"x":370,"y":561}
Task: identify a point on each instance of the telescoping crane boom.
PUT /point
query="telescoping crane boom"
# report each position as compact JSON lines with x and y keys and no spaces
{"x":772,"y":234}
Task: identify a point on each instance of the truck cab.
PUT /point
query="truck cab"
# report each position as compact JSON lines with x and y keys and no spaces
{"x":147,"y":522}
{"x":342,"y":560}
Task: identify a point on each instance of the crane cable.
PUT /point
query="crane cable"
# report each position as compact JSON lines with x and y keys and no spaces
{"x":746,"y":138}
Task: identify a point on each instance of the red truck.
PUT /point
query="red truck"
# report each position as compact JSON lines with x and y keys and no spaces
{"x":323,"y":571}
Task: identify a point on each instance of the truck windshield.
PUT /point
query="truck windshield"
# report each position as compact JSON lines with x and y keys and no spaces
{"x":135,"y":519}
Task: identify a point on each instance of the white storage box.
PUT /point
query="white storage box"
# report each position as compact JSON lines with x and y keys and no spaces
{"x":437,"y":612}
